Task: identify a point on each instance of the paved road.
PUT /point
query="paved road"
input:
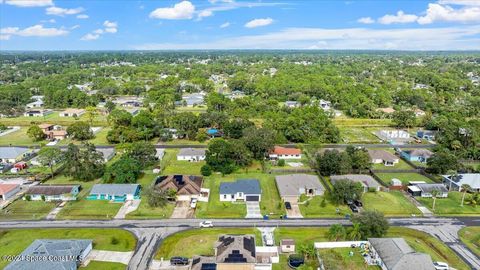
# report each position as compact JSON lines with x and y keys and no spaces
{"x":150,"y":233}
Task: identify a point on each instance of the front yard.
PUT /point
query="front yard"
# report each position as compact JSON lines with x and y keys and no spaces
{"x":87,"y":209}
{"x":313,"y":208}
{"x":451,"y":206}
{"x":391,"y":203}
{"x":21,"y":210}
{"x":404,"y":177}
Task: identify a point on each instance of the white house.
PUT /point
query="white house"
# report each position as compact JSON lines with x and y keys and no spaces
{"x":53,"y":192}
{"x":37,"y":113}
{"x":191,"y":154}
{"x":72,"y":113}
{"x":7,"y":191}
{"x":240,"y":190}
{"x":456,"y":182}
{"x":325,"y":105}
{"x":285,"y":153}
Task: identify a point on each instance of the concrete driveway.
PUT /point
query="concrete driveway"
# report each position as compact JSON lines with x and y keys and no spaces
{"x":295,"y":211}
{"x":182,"y":210}
{"x":127,"y":207}
{"x":253,"y":210}
{"x":109,"y":256}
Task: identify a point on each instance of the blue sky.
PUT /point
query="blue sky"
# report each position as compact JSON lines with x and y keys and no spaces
{"x":236,"y":24}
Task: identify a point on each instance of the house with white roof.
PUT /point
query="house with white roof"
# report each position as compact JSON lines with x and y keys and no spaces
{"x":455,"y":182}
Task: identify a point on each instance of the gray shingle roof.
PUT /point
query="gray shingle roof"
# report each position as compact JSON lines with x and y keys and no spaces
{"x":430,"y":187}
{"x":290,"y":185}
{"x":382,"y":154}
{"x":51,"y":189}
{"x":419,"y":152}
{"x":114,"y":189}
{"x":47,"y":247}
{"x":12,"y":152}
{"x":367,"y":180}
{"x":396,"y":254}
{"x":191,"y":152}
{"x":247,"y":186}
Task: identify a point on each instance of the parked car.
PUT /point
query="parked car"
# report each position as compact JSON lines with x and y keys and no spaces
{"x":295,"y":260}
{"x":354,"y":208}
{"x":268,"y":240}
{"x":440,"y":266}
{"x":179,"y":261}
{"x":288,"y":205}
{"x":206,"y":224}
{"x":358,"y":203}
{"x":193,"y":203}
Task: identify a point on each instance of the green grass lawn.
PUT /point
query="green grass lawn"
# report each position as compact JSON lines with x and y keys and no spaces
{"x":89,"y":209}
{"x":391,"y":203}
{"x":19,"y":137}
{"x":198,"y":241}
{"x":339,"y":259}
{"x":404,"y":177}
{"x":313,"y":209}
{"x":470,"y":236}
{"x":16,"y":240}
{"x":171,"y":165}
{"x":401,"y":165}
{"x":357,"y":135}
{"x":183,"y":142}
{"x":359,"y":122}
{"x":95,"y":265}
{"x":270,"y":203}
{"x":450,"y":206}
{"x":53,"y":118}
{"x":21,"y":209}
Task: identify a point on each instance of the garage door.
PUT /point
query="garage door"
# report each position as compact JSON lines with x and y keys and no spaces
{"x":253,"y":198}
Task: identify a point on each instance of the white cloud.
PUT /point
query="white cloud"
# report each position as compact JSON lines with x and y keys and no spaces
{"x":82,"y":16}
{"x":111,"y":30}
{"x":58,"y":11}
{"x":205,"y":13}
{"x":180,"y":11}
{"x":460,"y":2}
{"x":441,"y":13}
{"x":400,"y":17}
{"x":33,"y":31}
{"x":110,"y":24}
{"x":90,"y":36}
{"x":446,"y":38}
{"x":225,"y":25}
{"x":98,"y":31}
{"x":226,"y":5}
{"x":29,"y":3}
{"x":259,"y":22}
{"x":366,"y":20}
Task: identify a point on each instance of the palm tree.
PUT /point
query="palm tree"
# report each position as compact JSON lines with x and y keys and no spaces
{"x":474,"y":199}
{"x":307,"y":250}
{"x":336,"y":232}
{"x":434,"y":196}
{"x":355,"y":233}
{"x":465,"y":188}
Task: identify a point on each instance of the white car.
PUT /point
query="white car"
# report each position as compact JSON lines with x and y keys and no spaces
{"x":440,"y":266}
{"x":206,"y":224}
{"x":193,"y":203}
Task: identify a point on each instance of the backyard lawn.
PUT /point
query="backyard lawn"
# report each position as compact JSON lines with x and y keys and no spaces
{"x":15,"y":241}
{"x":391,"y":203}
{"x":451,"y":205}
{"x":198,"y":241}
{"x":404,"y":177}
{"x":339,"y":259}
{"x":171,"y":165}
{"x":21,"y":209}
{"x":401,"y":165}
{"x":314,"y":209}
{"x":270,"y":203}
{"x":470,"y":236}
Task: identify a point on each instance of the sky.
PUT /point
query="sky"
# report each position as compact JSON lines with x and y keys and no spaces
{"x":238,"y":24}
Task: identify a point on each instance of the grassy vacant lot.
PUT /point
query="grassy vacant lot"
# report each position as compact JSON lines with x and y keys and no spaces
{"x":391,"y":203}
{"x":313,"y":209}
{"x":358,"y":135}
{"x":53,"y":118}
{"x":404,"y":177}
{"x":358,"y":122}
{"x":86,"y":209}
{"x":339,"y":258}
{"x":470,"y":236}
{"x":451,"y":205}
{"x":18,"y":137}
{"x":95,"y":265}
{"x":15,"y":241}
{"x":21,"y":209}
{"x":270,"y":203}
{"x":198,"y":241}
{"x":171,"y":165}
{"x":422,"y":242}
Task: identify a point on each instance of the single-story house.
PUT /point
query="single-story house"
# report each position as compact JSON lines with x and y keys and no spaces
{"x":160,"y":152}
{"x":54,"y":133}
{"x":34,"y":104}
{"x":191,"y":154}
{"x":7,"y":191}
{"x":287,"y":245}
{"x":456,"y":182}
{"x":107,"y":152}
{"x":291,"y":186}
{"x":382,"y":156}
{"x":325,"y":104}
{"x":420,"y":155}
{"x":12,"y":154}
{"x":235,"y":252}
{"x":37,"y":113}
{"x":241,"y":190}
{"x":73,"y":251}
{"x":186,"y":186}
{"x":393,"y":135}
{"x":292,"y":104}
{"x":425,"y":190}
{"x":72,"y":112}
{"x":279,"y":152}
{"x":367,"y":181}
{"x":193,"y":99}
{"x":396,"y":254}
{"x":53,"y":192}
{"x":129,"y":101}
{"x":426,"y":134}
{"x":114,"y":192}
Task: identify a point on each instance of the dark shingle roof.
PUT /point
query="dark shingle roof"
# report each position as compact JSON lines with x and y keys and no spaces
{"x":114,"y":189}
{"x":51,"y":189}
{"x":247,"y":186}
